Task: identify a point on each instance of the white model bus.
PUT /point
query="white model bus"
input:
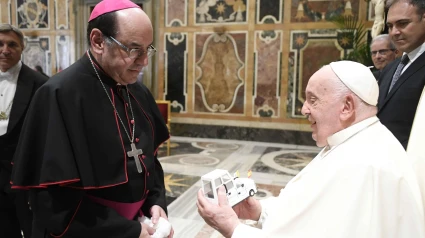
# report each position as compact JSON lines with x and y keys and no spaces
{"x":237,"y":189}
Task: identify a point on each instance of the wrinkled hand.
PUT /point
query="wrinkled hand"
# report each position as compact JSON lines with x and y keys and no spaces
{"x":249,"y":208}
{"x":221,"y":217}
{"x":156,"y":213}
{"x":146,"y":231}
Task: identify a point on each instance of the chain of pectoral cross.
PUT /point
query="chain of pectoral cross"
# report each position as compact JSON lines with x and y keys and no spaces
{"x":134,"y":151}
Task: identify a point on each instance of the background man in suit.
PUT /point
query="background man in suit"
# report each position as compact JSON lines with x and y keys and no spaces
{"x":402,"y":81}
{"x":383,"y":52}
{"x":18,"y":84}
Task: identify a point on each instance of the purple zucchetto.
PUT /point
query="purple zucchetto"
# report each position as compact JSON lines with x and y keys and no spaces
{"x":106,"y":6}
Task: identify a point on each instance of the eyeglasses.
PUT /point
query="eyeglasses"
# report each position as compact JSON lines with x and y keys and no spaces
{"x":381,"y":52}
{"x":135,"y":53}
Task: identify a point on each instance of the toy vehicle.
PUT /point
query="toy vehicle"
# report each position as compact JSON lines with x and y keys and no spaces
{"x":237,"y":189}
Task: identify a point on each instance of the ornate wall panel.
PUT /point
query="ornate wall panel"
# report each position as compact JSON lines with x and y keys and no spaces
{"x":322,"y":10}
{"x":370,"y":11}
{"x":33,"y":14}
{"x":247,"y":62}
{"x":5,"y":11}
{"x":175,"y":89}
{"x":176,"y":14}
{"x":63,"y":52}
{"x":310,"y":50}
{"x":220,"y":11}
{"x":61,"y":10}
{"x":220,"y":72}
{"x":48,"y":26}
{"x":268,"y":54}
{"x":37,"y":52}
{"x":269,"y":11}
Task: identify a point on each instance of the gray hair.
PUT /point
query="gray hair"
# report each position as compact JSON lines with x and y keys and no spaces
{"x":5,"y":27}
{"x":340,"y":90}
{"x":384,"y":37}
{"x":419,"y":4}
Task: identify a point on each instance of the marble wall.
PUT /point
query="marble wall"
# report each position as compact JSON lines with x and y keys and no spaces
{"x":48,"y":28}
{"x":246,"y":63}
{"x":221,"y":63}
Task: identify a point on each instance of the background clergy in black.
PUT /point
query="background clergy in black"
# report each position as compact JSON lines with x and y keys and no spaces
{"x":73,"y":145}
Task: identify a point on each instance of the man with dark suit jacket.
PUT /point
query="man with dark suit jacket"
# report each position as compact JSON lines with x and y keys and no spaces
{"x":402,"y":81}
{"x":383,"y":52}
{"x":18,"y":84}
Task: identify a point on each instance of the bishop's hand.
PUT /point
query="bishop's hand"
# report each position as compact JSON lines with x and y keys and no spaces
{"x":157,"y":212}
{"x":146,"y":231}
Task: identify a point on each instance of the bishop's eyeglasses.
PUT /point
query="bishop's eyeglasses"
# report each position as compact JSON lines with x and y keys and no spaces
{"x":135,"y":53}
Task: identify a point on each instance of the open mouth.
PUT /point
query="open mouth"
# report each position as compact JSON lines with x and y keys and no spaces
{"x":313,"y":122}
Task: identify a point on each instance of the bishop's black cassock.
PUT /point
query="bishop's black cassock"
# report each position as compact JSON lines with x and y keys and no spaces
{"x":73,"y":148}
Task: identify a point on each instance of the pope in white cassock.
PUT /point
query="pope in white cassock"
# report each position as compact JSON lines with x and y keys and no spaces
{"x":416,"y":146}
{"x":360,"y":185}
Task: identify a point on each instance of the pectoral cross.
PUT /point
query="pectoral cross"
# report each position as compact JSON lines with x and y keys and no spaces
{"x":135,"y":154}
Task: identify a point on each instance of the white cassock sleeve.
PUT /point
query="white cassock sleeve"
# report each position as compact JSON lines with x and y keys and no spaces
{"x":267,"y":205}
{"x":416,"y":148}
{"x":335,"y":200}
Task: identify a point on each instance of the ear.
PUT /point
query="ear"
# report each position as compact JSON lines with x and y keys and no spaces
{"x":97,"y":43}
{"x":348,"y":108}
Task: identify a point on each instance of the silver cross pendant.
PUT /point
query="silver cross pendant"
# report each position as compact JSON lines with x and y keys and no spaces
{"x":135,"y":154}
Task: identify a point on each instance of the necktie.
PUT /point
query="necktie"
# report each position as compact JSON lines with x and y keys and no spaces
{"x":404,"y":60}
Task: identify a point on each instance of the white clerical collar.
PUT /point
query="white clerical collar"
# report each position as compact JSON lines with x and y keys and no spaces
{"x":414,"y":54}
{"x":348,"y":132}
{"x":10,"y":73}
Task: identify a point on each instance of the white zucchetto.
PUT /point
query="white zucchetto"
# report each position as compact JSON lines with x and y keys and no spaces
{"x":359,"y":79}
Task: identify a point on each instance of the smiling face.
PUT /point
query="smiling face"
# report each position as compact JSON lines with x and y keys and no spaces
{"x":405,"y":26}
{"x":382,"y":54}
{"x":322,"y":106}
{"x":135,"y":32}
{"x":10,"y":50}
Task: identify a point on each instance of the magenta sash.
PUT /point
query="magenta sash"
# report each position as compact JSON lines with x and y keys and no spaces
{"x":127,"y":210}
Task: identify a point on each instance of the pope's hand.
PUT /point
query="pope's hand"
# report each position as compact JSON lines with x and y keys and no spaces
{"x":249,"y":208}
{"x":220,"y":217}
{"x":146,"y":231}
{"x":157,"y":212}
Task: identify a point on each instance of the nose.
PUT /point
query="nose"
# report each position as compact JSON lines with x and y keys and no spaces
{"x":305,"y":110}
{"x":143,"y":60}
{"x":393,"y":31}
{"x":5,"y":49}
